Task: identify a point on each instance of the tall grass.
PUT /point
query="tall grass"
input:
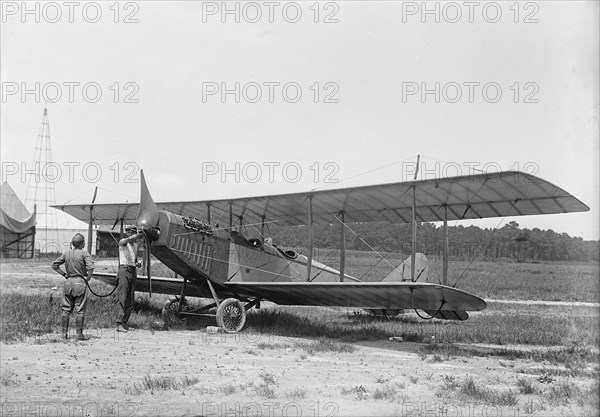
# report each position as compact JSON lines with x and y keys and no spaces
{"x":30,"y":315}
{"x":161,"y":383}
{"x":493,"y":327}
{"x":35,"y":314}
{"x":474,"y":391}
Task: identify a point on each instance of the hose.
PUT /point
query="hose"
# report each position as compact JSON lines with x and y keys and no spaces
{"x":98,"y":295}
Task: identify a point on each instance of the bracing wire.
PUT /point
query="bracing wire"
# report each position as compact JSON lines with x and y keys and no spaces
{"x":362,"y":240}
{"x":481,"y":247}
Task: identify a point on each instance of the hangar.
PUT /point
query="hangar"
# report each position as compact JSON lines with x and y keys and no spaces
{"x":17,"y":226}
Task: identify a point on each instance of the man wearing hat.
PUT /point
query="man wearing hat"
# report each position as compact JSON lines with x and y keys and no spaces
{"x":79,"y":268}
{"x":127,"y":275}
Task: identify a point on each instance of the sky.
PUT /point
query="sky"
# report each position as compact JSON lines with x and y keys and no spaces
{"x":222,"y":100}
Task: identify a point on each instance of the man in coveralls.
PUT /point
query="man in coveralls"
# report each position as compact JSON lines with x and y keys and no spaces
{"x":79,"y":268}
{"x":127,"y":275}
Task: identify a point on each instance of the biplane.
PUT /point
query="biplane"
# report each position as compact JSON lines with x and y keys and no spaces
{"x":182,"y":236}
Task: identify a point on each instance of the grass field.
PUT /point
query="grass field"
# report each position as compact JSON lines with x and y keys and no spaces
{"x":27,"y":288}
{"x":501,"y":324}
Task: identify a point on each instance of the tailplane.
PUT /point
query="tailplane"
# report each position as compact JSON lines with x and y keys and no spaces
{"x":403,"y":272}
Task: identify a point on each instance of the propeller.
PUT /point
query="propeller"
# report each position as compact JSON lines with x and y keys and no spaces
{"x":147,"y":215}
{"x":146,"y":222}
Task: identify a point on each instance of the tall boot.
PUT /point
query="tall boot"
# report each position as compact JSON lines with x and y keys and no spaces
{"x":79,"y":328}
{"x":65,"y":327}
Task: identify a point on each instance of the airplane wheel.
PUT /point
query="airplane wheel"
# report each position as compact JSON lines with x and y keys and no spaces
{"x":231,"y":315}
{"x":170,"y":312}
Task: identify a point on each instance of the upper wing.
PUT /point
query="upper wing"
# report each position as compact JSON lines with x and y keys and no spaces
{"x":372,"y":295}
{"x":501,"y":194}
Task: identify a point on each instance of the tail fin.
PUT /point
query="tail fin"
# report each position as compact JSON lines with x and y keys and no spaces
{"x":402,"y":273}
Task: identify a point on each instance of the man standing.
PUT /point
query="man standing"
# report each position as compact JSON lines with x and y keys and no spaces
{"x":79,"y":269}
{"x":127,"y":276}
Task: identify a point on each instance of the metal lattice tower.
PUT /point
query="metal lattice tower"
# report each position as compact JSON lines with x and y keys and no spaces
{"x":40,"y":191}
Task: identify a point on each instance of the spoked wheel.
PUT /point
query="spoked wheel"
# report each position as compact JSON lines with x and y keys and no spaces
{"x":170,"y":312}
{"x":231,"y":315}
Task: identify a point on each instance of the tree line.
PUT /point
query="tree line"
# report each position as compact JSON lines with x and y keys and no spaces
{"x":509,"y":241}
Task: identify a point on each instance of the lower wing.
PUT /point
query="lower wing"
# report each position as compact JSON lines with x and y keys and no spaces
{"x":160,"y":285}
{"x":438,"y":300}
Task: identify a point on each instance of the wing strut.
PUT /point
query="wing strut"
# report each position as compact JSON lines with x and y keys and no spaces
{"x":445,"y":247}
{"x":414,"y":224}
{"x":310,"y":239}
{"x":212,"y":291}
{"x":230,"y":217}
{"x":342,"y":247}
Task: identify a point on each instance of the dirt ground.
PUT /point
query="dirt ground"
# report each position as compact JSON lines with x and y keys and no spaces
{"x":100,"y":376}
{"x":182,"y":372}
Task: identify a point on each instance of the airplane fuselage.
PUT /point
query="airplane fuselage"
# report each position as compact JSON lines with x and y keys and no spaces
{"x":196,"y":251}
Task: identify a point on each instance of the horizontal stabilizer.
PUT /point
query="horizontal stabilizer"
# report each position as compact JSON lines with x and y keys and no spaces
{"x":403,"y":272}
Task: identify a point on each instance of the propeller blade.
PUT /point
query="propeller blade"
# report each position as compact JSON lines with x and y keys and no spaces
{"x":148,"y":211}
{"x":147,"y":219}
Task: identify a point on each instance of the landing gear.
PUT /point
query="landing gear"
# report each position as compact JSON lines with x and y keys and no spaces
{"x":171,"y":312}
{"x":231,"y":315}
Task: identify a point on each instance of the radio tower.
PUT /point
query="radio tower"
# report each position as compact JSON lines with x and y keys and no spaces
{"x":40,"y":191}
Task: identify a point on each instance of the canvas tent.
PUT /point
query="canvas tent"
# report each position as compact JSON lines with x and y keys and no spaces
{"x":17,"y":226}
